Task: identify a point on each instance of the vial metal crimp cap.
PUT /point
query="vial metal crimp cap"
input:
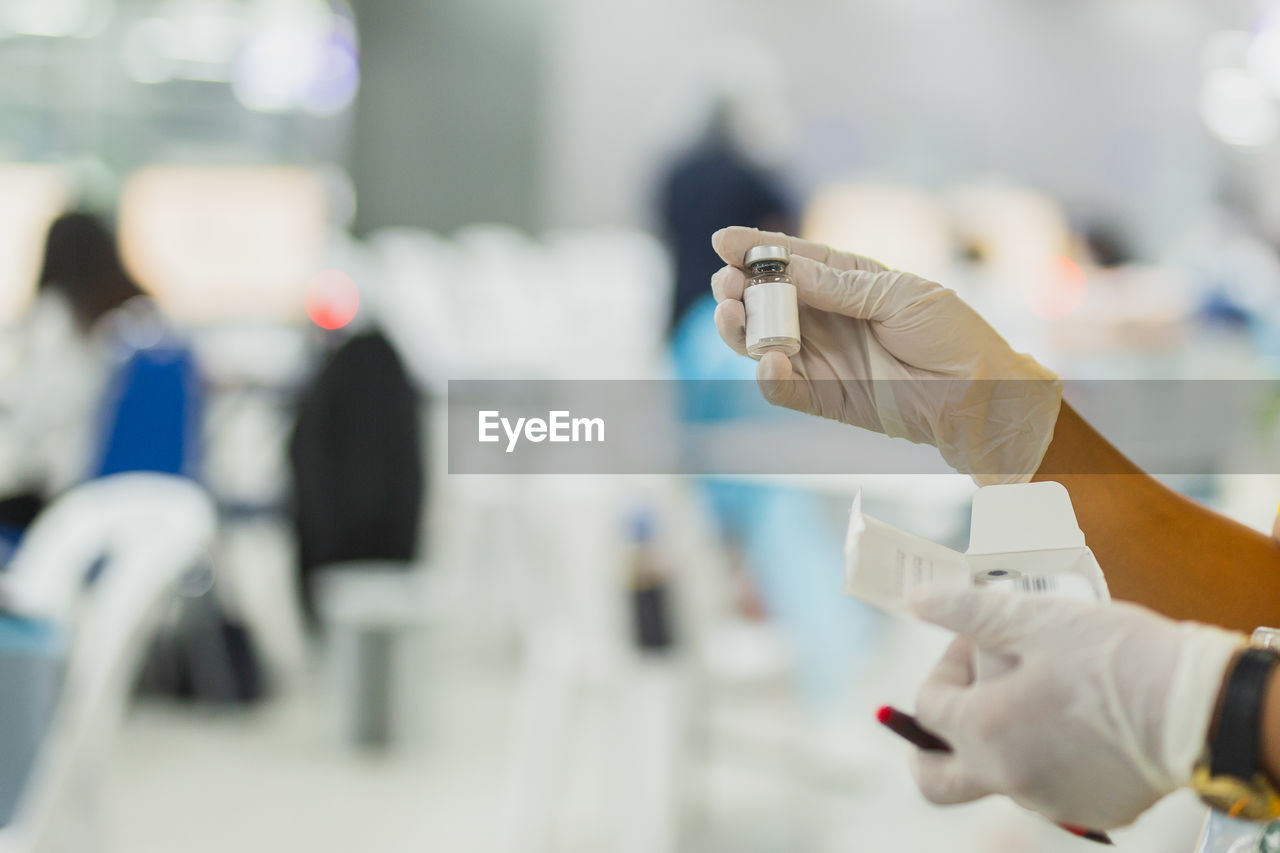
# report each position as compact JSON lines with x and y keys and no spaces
{"x":757,"y":254}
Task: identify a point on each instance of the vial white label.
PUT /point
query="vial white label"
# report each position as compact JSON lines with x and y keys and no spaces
{"x":773,"y":318}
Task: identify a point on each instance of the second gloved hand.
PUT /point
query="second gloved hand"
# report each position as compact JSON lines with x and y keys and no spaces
{"x":894,"y":353}
{"x":1104,"y":711}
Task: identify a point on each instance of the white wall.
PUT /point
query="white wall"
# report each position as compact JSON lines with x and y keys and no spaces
{"x":446,"y":123}
{"x":1094,"y":100}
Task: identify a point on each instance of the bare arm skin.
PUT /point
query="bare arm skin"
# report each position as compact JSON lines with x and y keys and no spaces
{"x":1271,"y":731}
{"x":1158,"y":548}
{"x":1167,"y":552}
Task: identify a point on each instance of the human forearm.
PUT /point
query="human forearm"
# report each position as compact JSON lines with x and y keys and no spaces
{"x":1157,"y":547}
{"x":1271,"y":730}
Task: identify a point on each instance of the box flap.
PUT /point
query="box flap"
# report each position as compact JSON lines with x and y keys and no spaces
{"x":883,"y":564}
{"x":1023,"y":517}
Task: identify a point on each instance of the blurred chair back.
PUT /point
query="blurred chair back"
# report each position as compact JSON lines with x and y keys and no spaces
{"x":577,"y":304}
{"x":144,"y":530}
{"x":151,"y":415}
{"x":901,"y":226}
{"x":1014,"y":232}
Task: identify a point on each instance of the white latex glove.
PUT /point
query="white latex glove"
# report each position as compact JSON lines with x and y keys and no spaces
{"x":861,"y":323}
{"x":1103,"y":713}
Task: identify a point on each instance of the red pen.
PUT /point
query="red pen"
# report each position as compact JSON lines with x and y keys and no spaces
{"x":909,"y":729}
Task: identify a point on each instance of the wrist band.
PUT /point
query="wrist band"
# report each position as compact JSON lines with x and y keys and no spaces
{"x":1234,"y":750}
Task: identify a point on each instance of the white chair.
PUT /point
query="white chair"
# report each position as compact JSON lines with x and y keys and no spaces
{"x":371,"y":611}
{"x":612,"y":288}
{"x":150,"y":528}
{"x":417,"y":301}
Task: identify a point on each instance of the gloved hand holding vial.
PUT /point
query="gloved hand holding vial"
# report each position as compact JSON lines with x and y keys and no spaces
{"x":871,"y":343}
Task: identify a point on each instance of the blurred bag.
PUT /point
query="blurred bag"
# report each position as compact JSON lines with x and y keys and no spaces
{"x":151,"y":421}
{"x":204,"y":655}
{"x":356,"y":461}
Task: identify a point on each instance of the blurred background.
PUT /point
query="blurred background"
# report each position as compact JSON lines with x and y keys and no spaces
{"x":244,"y":245}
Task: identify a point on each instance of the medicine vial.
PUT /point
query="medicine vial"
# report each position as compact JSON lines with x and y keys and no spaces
{"x":773,"y":315}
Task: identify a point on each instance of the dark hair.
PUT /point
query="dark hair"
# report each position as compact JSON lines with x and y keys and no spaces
{"x":82,"y":264}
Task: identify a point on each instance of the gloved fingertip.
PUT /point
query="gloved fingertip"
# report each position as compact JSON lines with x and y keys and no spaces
{"x":941,"y":780}
{"x":731,"y":243}
{"x":774,"y":367}
{"x":721,"y":238}
{"x":779,"y":384}
{"x":718,"y":238}
{"x":727,"y":283}
{"x":731,"y":318}
{"x":773,"y":375}
{"x":930,"y":602}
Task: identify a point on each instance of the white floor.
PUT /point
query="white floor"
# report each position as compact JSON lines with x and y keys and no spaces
{"x":278,"y":778}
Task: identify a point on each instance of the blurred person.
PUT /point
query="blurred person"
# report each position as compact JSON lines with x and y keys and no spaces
{"x":781,"y":538}
{"x":1106,"y":707}
{"x":713,"y":184}
{"x":110,"y":385}
{"x":105,"y":386}
{"x":82,"y":406}
{"x":721,"y":179}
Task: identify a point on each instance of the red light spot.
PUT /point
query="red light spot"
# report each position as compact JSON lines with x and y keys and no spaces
{"x":1063,"y":290}
{"x":332,"y":299}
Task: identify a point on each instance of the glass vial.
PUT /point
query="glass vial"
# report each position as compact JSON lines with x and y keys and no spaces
{"x":773,"y":315}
